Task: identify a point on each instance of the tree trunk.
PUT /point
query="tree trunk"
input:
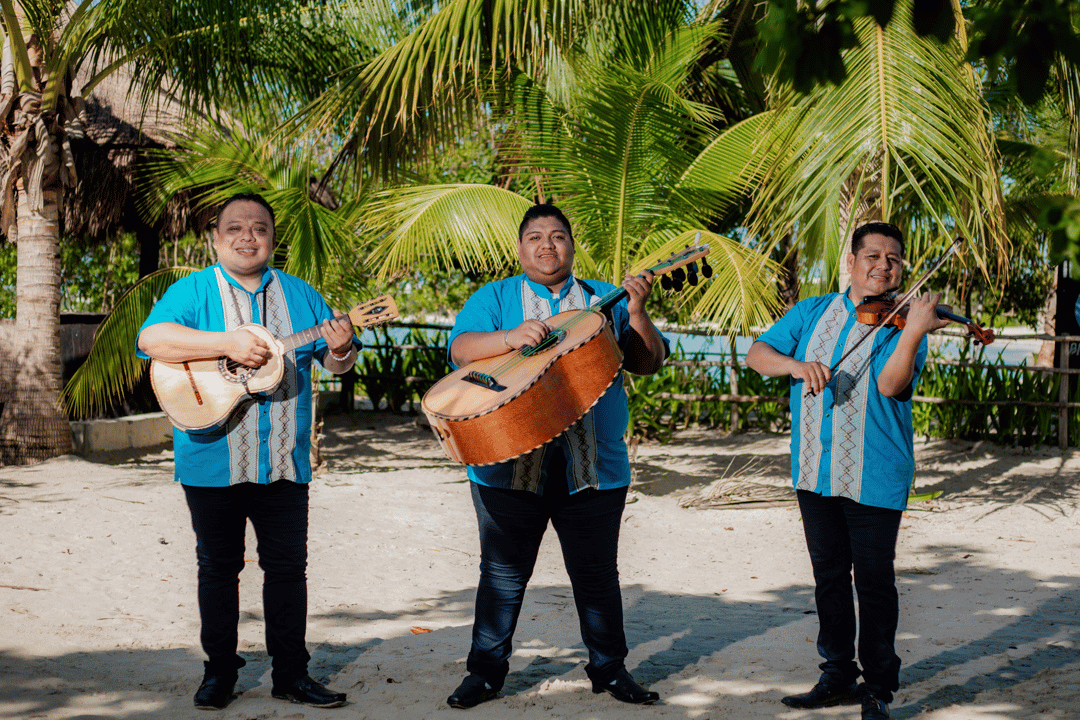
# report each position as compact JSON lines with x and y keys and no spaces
{"x":860,"y":203}
{"x":34,"y":427}
{"x":788,"y":282}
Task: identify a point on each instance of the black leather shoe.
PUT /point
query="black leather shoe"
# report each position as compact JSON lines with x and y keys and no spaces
{"x":874,"y":709}
{"x":623,"y":688}
{"x":215,"y":692}
{"x":821,"y":695}
{"x":472,"y":691}
{"x":308,"y":692}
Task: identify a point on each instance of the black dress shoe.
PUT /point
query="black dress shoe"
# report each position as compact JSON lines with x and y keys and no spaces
{"x":308,"y":692}
{"x":822,"y":695}
{"x":472,"y":691}
{"x":215,"y":692}
{"x":874,"y":709}
{"x":624,"y":688}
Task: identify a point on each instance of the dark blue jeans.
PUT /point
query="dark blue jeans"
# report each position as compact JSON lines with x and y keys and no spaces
{"x":512,"y":524}
{"x":279,"y":515}
{"x":842,"y":536}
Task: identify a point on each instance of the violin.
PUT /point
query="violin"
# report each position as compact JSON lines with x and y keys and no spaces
{"x":883,"y":311}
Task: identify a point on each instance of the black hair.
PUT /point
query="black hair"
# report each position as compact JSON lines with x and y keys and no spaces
{"x":876,"y":228}
{"x":544,"y":210}
{"x":250,"y":197}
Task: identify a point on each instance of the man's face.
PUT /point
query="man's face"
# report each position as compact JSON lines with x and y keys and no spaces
{"x":876,"y":268}
{"x":546,"y":252}
{"x":244,"y":239}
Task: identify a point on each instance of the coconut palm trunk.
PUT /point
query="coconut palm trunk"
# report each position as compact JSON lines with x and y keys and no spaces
{"x":33,"y":425}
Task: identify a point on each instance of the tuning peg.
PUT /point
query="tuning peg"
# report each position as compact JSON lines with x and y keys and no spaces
{"x":665,"y":282}
{"x":706,"y":268}
{"x":691,"y":277}
{"x":678,"y":275}
{"x":677,"y":283}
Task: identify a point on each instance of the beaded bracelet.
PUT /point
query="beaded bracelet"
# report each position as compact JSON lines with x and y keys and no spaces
{"x":340,"y":358}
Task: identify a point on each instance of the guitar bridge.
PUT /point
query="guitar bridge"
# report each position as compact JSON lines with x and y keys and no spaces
{"x":484,"y":380}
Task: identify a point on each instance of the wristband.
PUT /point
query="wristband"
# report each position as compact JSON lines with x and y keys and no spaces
{"x":340,"y":358}
{"x":505,"y":342}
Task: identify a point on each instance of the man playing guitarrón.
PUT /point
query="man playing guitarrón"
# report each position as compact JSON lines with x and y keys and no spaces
{"x":578,"y":481}
{"x":256,"y":466}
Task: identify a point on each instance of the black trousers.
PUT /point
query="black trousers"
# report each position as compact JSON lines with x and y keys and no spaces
{"x":512,"y":525}
{"x":279,"y":515}
{"x":843,"y":537}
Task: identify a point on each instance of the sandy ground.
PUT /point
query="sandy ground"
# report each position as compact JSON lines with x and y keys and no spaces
{"x":97,"y":588}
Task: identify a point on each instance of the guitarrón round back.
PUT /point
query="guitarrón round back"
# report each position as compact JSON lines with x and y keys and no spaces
{"x":541,"y":395}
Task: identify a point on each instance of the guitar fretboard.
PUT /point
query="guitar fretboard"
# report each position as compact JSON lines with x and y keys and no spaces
{"x":291,"y":342}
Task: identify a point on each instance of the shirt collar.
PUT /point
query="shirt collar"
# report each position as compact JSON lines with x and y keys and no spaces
{"x":266,"y":278}
{"x":544,"y":292}
{"x":847,"y":300}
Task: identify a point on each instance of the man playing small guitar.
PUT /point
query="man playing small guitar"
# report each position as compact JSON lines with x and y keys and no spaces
{"x":578,"y":481}
{"x":256,"y":465}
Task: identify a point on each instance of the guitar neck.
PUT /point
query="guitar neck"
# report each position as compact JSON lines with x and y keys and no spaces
{"x":374,"y":312}
{"x":291,"y":342}
{"x":609,"y":301}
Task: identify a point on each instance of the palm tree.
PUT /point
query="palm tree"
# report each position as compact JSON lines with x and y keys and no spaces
{"x":208,"y":52}
{"x":595,"y":102}
{"x":904,"y":138}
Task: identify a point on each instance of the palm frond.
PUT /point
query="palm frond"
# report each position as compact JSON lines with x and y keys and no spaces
{"x":471,"y":226}
{"x":907,"y":129}
{"x":214,"y":55}
{"x":112,"y":369}
{"x":729,"y":167}
{"x":613,"y":156}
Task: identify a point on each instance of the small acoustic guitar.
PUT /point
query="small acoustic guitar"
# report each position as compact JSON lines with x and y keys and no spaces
{"x":201,"y":395}
{"x":498,"y":408}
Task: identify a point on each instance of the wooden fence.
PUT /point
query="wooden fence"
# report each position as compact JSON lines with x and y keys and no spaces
{"x":1062,"y":404}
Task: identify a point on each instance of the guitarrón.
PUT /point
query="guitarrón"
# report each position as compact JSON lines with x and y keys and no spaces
{"x":498,"y":408}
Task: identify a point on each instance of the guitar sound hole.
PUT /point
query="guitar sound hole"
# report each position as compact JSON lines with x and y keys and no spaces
{"x":235,"y":372}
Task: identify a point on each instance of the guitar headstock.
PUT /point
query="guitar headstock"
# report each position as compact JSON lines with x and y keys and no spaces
{"x":374,"y":312}
{"x":681,"y":259}
{"x":678,"y":261}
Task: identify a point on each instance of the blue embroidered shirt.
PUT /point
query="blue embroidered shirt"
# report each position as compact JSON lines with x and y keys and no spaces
{"x":849,"y":440}
{"x":269,"y":438}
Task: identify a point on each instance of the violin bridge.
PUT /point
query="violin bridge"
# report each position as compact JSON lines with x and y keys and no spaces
{"x":484,"y":380}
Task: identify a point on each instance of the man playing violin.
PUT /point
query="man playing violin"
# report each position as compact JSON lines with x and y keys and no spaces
{"x":852,"y":461}
{"x":577,"y":482}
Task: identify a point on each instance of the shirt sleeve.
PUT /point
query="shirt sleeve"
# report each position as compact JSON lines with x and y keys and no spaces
{"x":785,"y":334}
{"x":175,"y":306}
{"x":884,"y":352}
{"x":482,"y":313}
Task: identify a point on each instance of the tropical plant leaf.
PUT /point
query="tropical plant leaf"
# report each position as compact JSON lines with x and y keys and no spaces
{"x":457,"y":225}
{"x":905,"y":134}
{"x":112,"y":369}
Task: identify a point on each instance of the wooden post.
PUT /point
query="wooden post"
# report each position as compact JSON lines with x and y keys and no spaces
{"x":734,"y":382}
{"x":1063,"y":394}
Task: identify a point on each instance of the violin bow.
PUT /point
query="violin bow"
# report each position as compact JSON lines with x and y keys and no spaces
{"x":904,"y":299}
